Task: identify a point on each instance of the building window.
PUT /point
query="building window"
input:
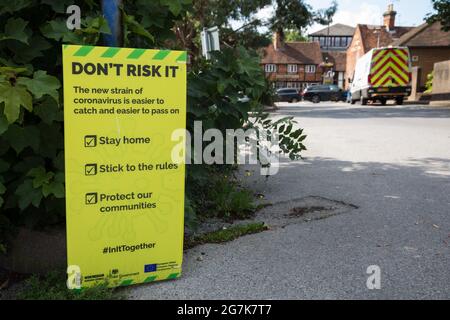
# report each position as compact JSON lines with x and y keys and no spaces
{"x":334,"y":42}
{"x":270,"y":68}
{"x":292,"y":68}
{"x":280,"y":85}
{"x":295,"y":85}
{"x":310,"y":69}
{"x":322,"y":41}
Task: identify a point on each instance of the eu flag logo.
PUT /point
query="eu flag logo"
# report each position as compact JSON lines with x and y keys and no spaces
{"x":149,"y":268}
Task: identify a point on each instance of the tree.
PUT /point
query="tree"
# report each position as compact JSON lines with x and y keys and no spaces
{"x":294,"y":36}
{"x":291,"y":14}
{"x":325,"y":16}
{"x":296,"y":15}
{"x":248,"y":37}
{"x":209,"y":13}
{"x":442,"y":14}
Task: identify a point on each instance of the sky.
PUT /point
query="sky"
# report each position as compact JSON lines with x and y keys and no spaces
{"x":352,"y":12}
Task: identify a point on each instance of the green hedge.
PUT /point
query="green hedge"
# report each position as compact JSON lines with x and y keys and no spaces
{"x":31,"y":104}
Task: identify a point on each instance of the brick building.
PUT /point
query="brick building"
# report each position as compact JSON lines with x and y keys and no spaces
{"x":367,"y":37}
{"x":292,"y":64}
{"x":336,"y":62}
{"x":334,"y":38}
{"x":428,"y":44}
{"x":334,"y":41}
{"x":326,"y":58}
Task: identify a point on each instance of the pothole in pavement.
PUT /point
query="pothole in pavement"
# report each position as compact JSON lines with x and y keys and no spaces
{"x":302,"y":210}
{"x":281,"y":214}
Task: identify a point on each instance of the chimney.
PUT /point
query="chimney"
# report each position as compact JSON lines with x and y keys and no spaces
{"x":389,"y":18}
{"x":278,"y":40}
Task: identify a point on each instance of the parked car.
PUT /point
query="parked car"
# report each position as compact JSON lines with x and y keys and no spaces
{"x":382,"y":74}
{"x":319,"y":93}
{"x":288,"y":95}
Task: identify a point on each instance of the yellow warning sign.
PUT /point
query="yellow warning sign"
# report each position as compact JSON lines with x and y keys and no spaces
{"x":124,"y":194}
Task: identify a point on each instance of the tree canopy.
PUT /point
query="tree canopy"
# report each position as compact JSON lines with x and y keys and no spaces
{"x":442,"y":14}
{"x":294,"y":36}
{"x":289,"y":15}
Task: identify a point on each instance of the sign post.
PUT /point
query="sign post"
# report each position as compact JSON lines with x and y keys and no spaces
{"x":124,"y":195}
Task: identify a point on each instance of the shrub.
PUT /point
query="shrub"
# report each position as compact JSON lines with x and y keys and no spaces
{"x":31,"y":104}
{"x":429,"y":83}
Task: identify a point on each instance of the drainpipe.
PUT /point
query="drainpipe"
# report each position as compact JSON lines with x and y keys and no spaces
{"x":112,"y":14}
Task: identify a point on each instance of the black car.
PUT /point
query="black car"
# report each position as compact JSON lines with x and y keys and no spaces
{"x":319,"y":93}
{"x":288,"y":95}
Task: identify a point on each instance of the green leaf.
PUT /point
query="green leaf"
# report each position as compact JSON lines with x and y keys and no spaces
{"x":25,"y":53}
{"x":22,"y":137}
{"x":135,"y":27}
{"x":4,"y":166}
{"x":15,"y":29}
{"x":2,"y":188}
{"x":174,"y":6}
{"x":3,"y":124}
{"x":50,"y":182}
{"x":296,"y":134}
{"x":56,"y":188}
{"x":11,"y":71}
{"x":58,"y":6}
{"x":41,"y":177}
{"x":57,"y":30}
{"x":52,"y":139}
{"x":24,"y":165}
{"x":4,"y":147}
{"x":41,"y":84}
{"x":28,"y":195}
{"x":288,"y":129}
{"x":96,"y":25}
{"x":48,"y":110}
{"x":58,"y":161}
{"x":14,"y":97}
{"x":13,"y":6}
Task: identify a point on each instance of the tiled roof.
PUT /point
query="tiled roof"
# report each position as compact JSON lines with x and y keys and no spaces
{"x":425,"y":35}
{"x":337,"y":58}
{"x":369,"y":35}
{"x":336,"y":30}
{"x":295,"y":53}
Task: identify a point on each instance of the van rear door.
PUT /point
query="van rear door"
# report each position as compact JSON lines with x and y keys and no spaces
{"x":390,"y":67}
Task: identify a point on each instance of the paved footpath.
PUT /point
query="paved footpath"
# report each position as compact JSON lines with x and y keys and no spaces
{"x":393,"y":163}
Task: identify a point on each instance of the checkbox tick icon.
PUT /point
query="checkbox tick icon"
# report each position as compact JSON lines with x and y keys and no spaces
{"x":90,"y":169}
{"x":90,"y":141}
{"x":91,"y":198}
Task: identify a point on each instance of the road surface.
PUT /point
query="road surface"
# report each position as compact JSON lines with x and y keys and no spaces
{"x":393,"y":164}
